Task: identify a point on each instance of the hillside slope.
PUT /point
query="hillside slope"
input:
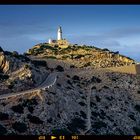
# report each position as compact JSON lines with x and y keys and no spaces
{"x":84,"y":100}
{"x":108,"y":101}
{"x":81,"y":56}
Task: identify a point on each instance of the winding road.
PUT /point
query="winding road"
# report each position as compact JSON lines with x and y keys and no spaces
{"x":88,"y":114}
{"x":48,"y":82}
{"x":88,"y":111}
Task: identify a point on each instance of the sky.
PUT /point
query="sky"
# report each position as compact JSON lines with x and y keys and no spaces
{"x":116,"y":27}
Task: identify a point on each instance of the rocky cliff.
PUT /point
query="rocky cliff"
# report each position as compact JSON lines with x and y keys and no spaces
{"x":11,"y":61}
{"x":18,"y":72}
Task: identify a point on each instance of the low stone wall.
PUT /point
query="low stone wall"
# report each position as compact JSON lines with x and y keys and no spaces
{"x":132,"y":69}
{"x":138,"y":69}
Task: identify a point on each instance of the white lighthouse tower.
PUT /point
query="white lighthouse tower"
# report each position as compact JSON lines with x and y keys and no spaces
{"x":60,"y":42}
{"x":59,"y":33}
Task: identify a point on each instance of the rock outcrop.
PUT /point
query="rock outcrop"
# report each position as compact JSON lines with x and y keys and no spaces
{"x":3,"y":62}
{"x":10,"y":62}
{"x":18,"y":72}
{"x":81,"y":56}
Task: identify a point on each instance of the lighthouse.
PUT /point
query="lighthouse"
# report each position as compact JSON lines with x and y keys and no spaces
{"x":60,"y":42}
{"x":59,"y":33}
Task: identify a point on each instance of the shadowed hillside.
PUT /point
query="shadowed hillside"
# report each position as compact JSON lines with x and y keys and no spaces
{"x":96,"y":92}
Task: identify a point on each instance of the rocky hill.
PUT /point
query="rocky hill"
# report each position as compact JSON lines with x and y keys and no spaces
{"x":81,"y":56}
{"x":83,"y":101}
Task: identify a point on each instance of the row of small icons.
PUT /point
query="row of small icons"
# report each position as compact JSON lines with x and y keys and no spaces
{"x":57,"y":137}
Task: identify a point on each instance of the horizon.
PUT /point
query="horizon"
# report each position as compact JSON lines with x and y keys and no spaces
{"x":115,"y":27}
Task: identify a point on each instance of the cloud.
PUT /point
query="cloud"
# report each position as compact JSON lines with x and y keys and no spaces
{"x":20,"y":44}
{"x":14,"y":29}
{"x":131,"y":50}
{"x":122,"y":40}
{"x":125,"y":32}
{"x":112,"y":43}
{"x":113,"y":34}
{"x":38,"y":37}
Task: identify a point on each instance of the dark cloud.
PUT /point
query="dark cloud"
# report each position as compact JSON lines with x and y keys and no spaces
{"x":125,"y":32}
{"x":113,"y":41}
{"x":113,"y":34}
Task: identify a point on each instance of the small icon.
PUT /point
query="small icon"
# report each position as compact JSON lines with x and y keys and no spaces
{"x":41,"y":137}
{"x":74,"y":137}
{"x":136,"y":137}
{"x":61,"y":137}
{"x":53,"y":137}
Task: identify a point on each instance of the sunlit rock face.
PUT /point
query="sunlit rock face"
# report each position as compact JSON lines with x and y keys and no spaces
{"x":10,"y":62}
{"x":81,"y":56}
{"x":18,"y":72}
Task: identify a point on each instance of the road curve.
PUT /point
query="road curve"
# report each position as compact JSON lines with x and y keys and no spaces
{"x":49,"y":81}
{"x":88,"y":114}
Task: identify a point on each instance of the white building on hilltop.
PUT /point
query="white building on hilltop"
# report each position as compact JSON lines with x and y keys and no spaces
{"x":60,"y":42}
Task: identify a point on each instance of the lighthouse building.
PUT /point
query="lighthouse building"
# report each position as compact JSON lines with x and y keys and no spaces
{"x":59,"y":33}
{"x":60,"y":42}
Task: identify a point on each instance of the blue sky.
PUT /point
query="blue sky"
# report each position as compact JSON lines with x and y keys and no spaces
{"x":116,"y":27}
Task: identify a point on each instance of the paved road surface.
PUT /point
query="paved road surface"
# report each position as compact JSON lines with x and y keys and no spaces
{"x":49,"y":81}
